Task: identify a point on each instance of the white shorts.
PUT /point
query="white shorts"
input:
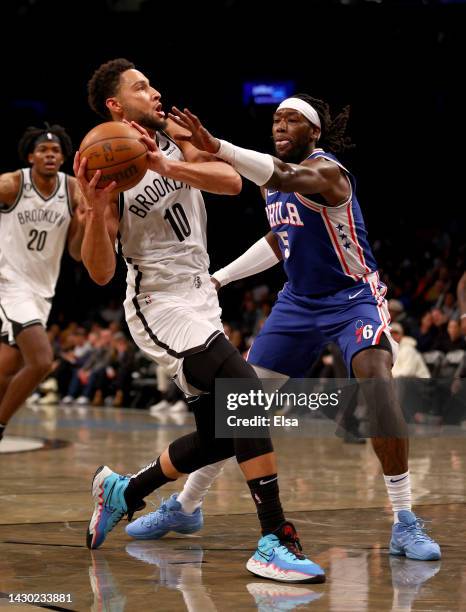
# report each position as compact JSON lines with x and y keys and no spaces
{"x":171,"y":325}
{"x":20,"y":309}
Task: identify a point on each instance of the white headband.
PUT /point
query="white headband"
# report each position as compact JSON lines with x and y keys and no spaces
{"x":302,"y":107}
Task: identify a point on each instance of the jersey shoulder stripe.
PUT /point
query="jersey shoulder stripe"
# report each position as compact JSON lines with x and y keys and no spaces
{"x":66,"y":178}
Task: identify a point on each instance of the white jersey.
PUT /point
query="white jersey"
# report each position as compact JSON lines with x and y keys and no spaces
{"x":162,"y":229}
{"x":32,"y":237}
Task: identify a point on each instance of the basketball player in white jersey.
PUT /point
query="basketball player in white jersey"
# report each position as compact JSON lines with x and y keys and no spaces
{"x":40,"y":213}
{"x":173,"y":313}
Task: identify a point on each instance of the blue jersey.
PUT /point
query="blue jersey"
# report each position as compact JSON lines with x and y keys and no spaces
{"x":324,"y":248}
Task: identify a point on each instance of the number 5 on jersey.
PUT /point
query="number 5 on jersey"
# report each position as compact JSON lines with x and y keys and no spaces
{"x":286,"y":245}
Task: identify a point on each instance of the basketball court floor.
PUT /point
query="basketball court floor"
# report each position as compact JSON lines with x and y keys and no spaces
{"x":333,"y":492}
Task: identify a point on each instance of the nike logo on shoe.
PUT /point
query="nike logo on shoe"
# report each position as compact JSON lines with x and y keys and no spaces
{"x":398,"y":480}
{"x":266,"y":557}
{"x":264,"y":482}
{"x":350,"y":297}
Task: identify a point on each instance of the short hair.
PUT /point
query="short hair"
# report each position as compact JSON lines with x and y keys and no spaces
{"x":27,"y":141}
{"x":104,"y":84}
{"x":332,"y":136}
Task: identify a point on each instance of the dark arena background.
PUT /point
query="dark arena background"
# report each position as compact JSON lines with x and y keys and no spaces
{"x":400,"y":68}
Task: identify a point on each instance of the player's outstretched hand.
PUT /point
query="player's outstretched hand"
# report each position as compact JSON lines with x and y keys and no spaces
{"x":201,"y":138}
{"x":156,"y":160}
{"x":96,"y":198}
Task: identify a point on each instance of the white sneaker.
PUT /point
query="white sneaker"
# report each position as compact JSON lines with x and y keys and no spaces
{"x":68,"y":399}
{"x":33,"y":399}
{"x":49,"y":385}
{"x":179,"y":418}
{"x":179,"y":406}
{"x":159,"y":407}
{"x":50,"y":398}
{"x":163,"y":417}
{"x":83,"y":400}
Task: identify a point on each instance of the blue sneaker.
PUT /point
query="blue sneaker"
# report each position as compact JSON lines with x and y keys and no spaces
{"x":178,"y":569}
{"x":168,"y":517}
{"x":110,"y":506}
{"x":410,"y":539}
{"x":279,"y":557}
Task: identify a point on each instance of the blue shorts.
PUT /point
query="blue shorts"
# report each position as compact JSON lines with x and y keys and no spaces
{"x":300,"y":326}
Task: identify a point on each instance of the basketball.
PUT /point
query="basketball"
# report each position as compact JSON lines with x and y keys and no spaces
{"x":116,"y":149}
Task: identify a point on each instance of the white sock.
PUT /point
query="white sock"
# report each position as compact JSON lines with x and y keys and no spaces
{"x":399,"y":492}
{"x":197,"y":485}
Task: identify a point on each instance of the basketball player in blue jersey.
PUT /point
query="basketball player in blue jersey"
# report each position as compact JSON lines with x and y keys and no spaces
{"x":41,"y":211}
{"x":333,"y":291}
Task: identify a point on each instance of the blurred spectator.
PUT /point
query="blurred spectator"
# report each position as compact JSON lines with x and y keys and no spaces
{"x":262,"y":314}
{"x":453,"y":340}
{"x":399,"y":315}
{"x":115,"y":327}
{"x":435,"y":293}
{"x":427,"y":333}
{"x":83,"y":380}
{"x":74,"y":353}
{"x":53,"y":334}
{"x":112,"y":381}
{"x":447,"y":305}
{"x":440,"y":323}
{"x":261,"y":293}
{"x":409,"y":361}
{"x":249,"y":313}
{"x":461,"y":293}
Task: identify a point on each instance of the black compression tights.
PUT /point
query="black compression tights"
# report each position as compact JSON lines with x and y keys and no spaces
{"x":200,"y":448}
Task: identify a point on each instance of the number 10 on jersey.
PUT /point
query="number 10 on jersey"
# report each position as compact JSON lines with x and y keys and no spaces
{"x":178,"y":220}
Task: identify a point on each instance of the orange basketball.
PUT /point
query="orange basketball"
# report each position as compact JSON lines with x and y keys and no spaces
{"x":115,"y":148}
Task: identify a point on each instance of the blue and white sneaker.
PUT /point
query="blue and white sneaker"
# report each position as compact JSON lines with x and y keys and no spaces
{"x":270,"y":597}
{"x":279,"y":557}
{"x":108,"y":490}
{"x":107,"y":594}
{"x":178,"y":569}
{"x":168,"y":517}
{"x":410,"y":539}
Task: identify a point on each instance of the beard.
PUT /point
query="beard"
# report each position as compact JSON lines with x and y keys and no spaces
{"x":147,"y":121}
{"x":295,"y":155}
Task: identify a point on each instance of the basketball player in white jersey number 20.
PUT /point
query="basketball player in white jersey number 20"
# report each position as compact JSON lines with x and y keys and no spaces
{"x":41,"y":210}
